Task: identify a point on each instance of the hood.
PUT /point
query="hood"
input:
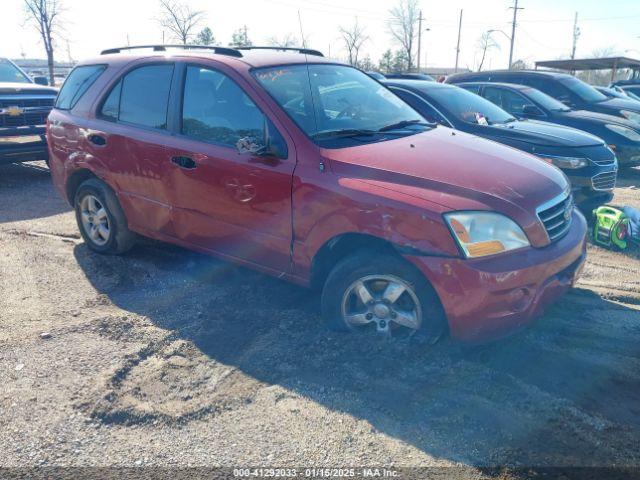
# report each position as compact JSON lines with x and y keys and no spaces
{"x":596,"y":118}
{"x":582,"y":118}
{"x":441,"y":164}
{"x":620,"y":104}
{"x":544,"y":134}
{"x":13,"y":88}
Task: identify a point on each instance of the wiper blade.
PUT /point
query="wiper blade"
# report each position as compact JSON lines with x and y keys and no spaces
{"x":345,"y":132}
{"x":405,"y":123}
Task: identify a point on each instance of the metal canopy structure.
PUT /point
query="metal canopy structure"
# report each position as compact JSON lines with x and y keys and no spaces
{"x":607,"y":63}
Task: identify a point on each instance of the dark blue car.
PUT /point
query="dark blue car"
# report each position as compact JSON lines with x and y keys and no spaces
{"x":623,"y":136}
{"x":571,"y":91}
{"x":590,"y":165}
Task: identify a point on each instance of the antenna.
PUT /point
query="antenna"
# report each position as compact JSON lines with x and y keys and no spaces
{"x":304,"y":42}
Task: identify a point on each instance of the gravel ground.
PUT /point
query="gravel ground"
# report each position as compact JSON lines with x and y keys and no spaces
{"x":165,"y":357}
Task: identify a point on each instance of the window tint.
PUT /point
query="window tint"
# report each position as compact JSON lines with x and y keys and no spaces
{"x":423,"y":108}
{"x":215,"y":109}
{"x":550,"y":87}
{"x":508,"y":100}
{"x":78,"y":81}
{"x":10,"y":73}
{"x":583,"y":90}
{"x":141,"y":97}
{"x":472,"y":88}
{"x":545,"y":100}
{"x":111,"y":105}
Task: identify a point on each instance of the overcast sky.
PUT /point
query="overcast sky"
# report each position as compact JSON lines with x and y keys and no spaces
{"x":544,"y":26}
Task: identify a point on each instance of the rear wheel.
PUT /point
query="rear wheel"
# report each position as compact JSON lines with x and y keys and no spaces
{"x":382,"y":294}
{"x":100,"y":218}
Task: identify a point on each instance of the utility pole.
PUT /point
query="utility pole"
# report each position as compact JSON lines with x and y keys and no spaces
{"x":458,"y":44}
{"x":576,"y":34}
{"x":246,"y":37}
{"x":419,"y":38}
{"x":513,"y":30}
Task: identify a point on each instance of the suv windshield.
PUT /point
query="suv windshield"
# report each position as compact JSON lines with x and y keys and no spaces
{"x":545,"y":100}
{"x":10,"y":73}
{"x":468,"y":107}
{"x":337,"y":101}
{"x":584,"y":91}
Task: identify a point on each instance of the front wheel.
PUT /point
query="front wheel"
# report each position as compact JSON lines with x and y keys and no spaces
{"x":382,"y":294}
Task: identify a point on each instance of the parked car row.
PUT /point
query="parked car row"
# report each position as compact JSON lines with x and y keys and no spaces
{"x":314,"y":172}
{"x":588,"y":162}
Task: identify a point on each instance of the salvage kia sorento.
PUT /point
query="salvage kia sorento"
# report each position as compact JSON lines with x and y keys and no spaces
{"x":311,"y":171}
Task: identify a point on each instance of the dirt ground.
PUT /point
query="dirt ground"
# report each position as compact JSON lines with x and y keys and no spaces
{"x":165,"y":357}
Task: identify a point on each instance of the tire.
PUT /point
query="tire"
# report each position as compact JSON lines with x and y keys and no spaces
{"x":339,"y":301}
{"x":119,"y":238}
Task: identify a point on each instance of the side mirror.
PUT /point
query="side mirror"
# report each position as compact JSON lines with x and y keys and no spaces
{"x":532,"y":111}
{"x":41,"y":80}
{"x":567,"y":102}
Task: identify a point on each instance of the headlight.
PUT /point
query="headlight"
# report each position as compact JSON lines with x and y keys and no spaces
{"x":566,"y":162}
{"x":485,"y":233}
{"x":633,"y":116}
{"x":626,"y":132}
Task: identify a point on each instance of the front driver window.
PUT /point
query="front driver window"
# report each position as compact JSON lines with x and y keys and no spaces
{"x":510,"y":101}
{"x":216,"y":110}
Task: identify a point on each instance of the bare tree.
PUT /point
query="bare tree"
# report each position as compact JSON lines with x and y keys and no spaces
{"x":288,"y":40}
{"x":403,"y":27}
{"x":179,"y":19}
{"x":353,"y":38}
{"x":45,"y":15}
{"x":485,"y":42}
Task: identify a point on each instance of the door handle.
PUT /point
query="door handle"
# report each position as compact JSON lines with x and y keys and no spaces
{"x":98,"y":140}
{"x":184,"y":162}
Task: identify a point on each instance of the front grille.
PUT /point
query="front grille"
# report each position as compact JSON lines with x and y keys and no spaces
{"x":604,"y":162}
{"x":36,"y":111}
{"x":556,"y":217}
{"x":600,"y":155}
{"x":604,"y":181}
{"x":26,"y":102}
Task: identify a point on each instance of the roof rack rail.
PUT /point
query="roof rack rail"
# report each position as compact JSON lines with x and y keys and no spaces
{"x":232,"y":52}
{"x":306,"y":51}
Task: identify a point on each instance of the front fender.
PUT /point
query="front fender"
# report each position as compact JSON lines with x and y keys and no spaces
{"x":355,"y":206}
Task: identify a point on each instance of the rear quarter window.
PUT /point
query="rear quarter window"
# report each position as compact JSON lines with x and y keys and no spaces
{"x":141,"y":97}
{"x":76,"y":84}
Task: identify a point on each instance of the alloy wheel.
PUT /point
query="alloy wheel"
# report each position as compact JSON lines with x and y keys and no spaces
{"x":95,"y":220}
{"x":385,"y":304}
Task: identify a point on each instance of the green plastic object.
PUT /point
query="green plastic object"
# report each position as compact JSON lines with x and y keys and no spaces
{"x":610,"y":227}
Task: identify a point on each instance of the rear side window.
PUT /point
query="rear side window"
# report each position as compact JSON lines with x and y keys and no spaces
{"x":141,"y":97}
{"x":76,"y":84}
{"x":472,"y":88}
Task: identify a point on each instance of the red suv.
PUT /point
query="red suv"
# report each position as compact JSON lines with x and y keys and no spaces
{"x":311,"y":171}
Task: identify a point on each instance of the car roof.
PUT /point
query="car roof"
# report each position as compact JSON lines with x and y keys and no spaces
{"x":542,"y":73}
{"x":252,"y":58}
{"x":417,"y":84}
{"x":515,"y":86}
